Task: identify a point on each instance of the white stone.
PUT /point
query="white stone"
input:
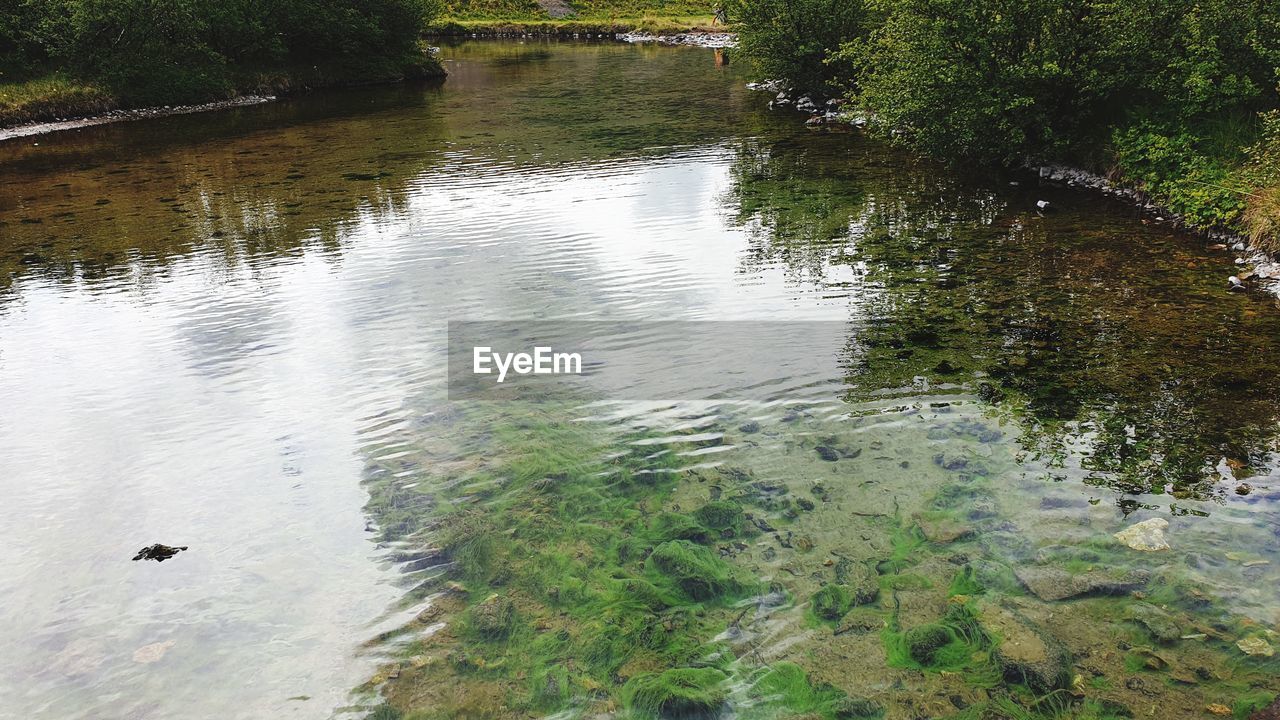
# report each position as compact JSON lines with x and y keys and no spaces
{"x":1147,"y":536}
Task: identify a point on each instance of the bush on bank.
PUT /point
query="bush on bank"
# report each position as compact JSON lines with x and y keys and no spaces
{"x":1166,"y":94}
{"x":152,"y":51}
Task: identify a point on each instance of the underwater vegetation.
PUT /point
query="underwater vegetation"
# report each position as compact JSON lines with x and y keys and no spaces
{"x":581,"y":569}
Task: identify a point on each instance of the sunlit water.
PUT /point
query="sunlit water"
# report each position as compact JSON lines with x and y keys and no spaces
{"x":215,"y":330}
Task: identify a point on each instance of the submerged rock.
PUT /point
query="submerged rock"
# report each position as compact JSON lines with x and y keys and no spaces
{"x":1026,"y":653}
{"x":1052,"y":584}
{"x":493,"y":618}
{"x":942,"y":530}
{"x":924,"y":642}
{"x":1256,"y":646}
{"x":1162,"y":626}
{"x":1147,"y":536}
{"x":862,"y":582}
{"x":827,"y":453}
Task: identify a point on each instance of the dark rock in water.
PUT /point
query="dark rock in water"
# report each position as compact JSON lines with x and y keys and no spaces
{"x":1271,"y":712}
{"x":1052,"y":584}
{"x":1162,"y":626}
{"x":827,"y":453}
{"x":951,"y":460}
{"x":989,"y":393}
{"x":942,"y":530}
{"x":762,"y":524}
{"x":1026,"y":653}
{"x":859,"y":579}
{"x":158,"y":552}
{"x":924,"y":642}
{"x":750,"y":427}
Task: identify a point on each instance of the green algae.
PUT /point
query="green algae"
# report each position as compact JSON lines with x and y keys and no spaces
{"x":678,"y":694}
{"x":831,"y":603}
{"x":693,"y":570}
{"x":786,"y":687}
{"x":722,"y":515}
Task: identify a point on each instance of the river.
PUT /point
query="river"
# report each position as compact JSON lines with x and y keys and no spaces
{"x":228,"y":331}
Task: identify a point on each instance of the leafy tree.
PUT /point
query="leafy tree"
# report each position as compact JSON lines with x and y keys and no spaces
{"x":794,"y":40}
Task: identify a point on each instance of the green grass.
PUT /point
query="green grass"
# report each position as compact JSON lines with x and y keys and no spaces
{"x":50,"y":96}
{"x":588,"y":16}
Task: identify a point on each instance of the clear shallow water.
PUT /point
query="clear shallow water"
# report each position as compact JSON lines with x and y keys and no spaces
{"x":225,"y":331}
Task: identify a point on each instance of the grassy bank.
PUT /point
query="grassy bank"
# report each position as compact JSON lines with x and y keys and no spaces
{"x":67,"y":58}
{"x":657,"y":25}
{"x":59,"y":96}
{"x":556,"y":17}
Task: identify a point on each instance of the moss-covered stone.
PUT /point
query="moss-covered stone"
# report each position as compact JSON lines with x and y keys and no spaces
{"x":492,"y":619}
{"x":693,"y":569}
{"x":678,"y":526}
{"x":720,"y":515}
{"x":923,"y":642}
{"x":831,"y":602}
{"x":680,"y":693}
{"x":1026,"y":653}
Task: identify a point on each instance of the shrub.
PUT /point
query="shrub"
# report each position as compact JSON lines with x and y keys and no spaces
{"x":794,"y":40}
{"x":179,"y":50}
{"x":1261,"y":217}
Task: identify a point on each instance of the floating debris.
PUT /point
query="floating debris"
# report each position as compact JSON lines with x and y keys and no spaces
{"x":158,"y":552}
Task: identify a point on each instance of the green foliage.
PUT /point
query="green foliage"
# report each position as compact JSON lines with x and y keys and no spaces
{"x":1167,"y":91}
{"x":677,"y":693}
{"x":1251,"y":702}
{"x":1203,"y":188}
{"x":795,"y":39}
{"x":962,"y":79}
{"x":179,"y":50}
{"x":1261,"y":217}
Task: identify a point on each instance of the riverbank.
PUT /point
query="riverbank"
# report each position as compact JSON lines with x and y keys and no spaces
{"x":602,"y":28}
{"x":58,"y":102}
{"x":1257,"y":264}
